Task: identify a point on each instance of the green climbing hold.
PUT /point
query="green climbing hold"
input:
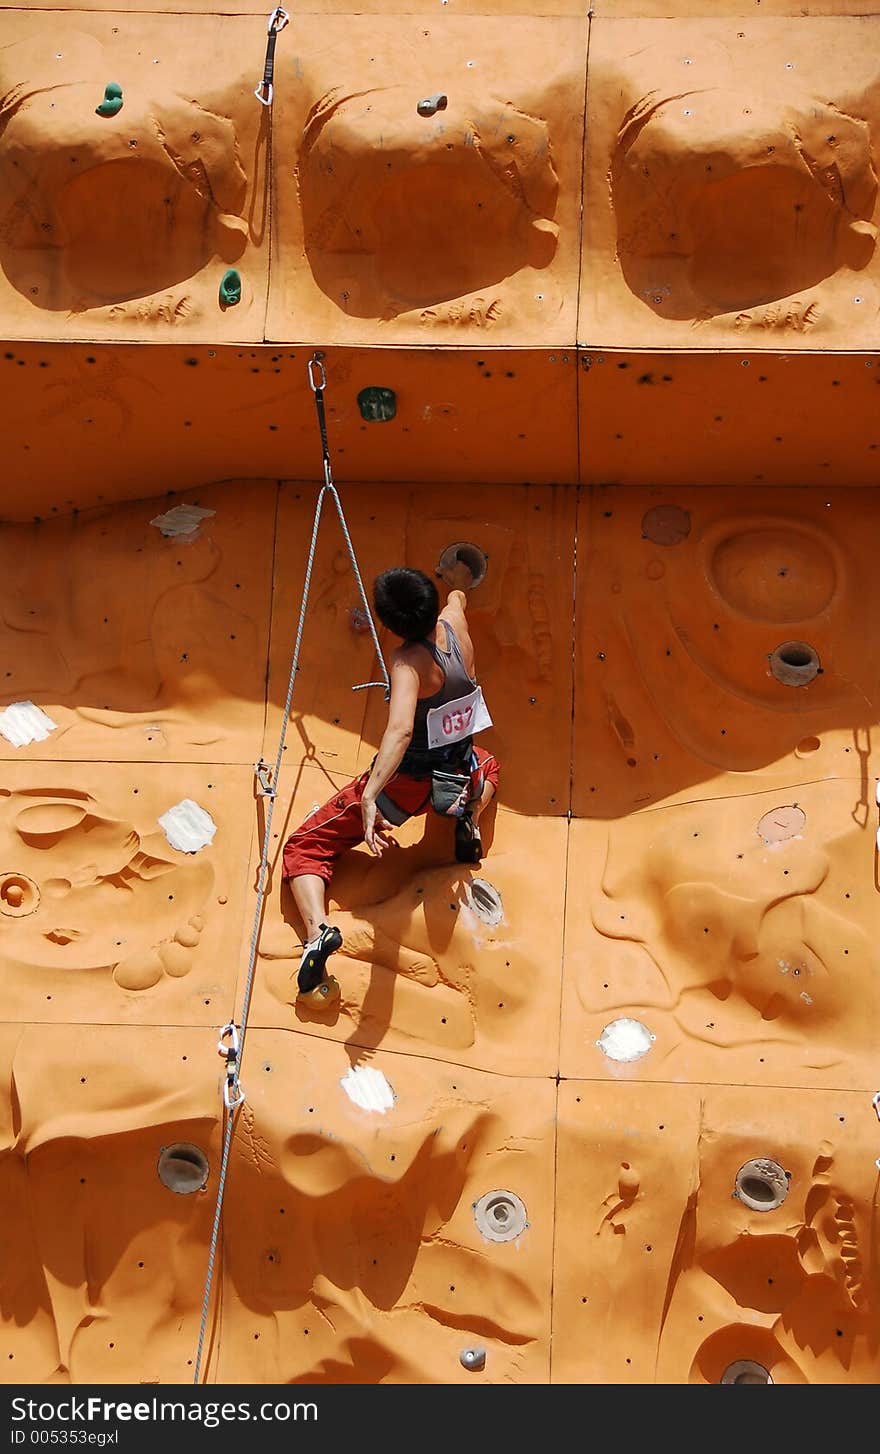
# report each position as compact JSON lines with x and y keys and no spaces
{"x":377,"y":405}
{"x":112,"y":101}
{"x":230,"y":288}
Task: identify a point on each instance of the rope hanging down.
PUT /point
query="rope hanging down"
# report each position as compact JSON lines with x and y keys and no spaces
{"x":231,"y":1042}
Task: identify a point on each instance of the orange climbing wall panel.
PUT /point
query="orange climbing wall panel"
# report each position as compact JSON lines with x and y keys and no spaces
{"x":741,"y":418}
{"x":122,"y":226}
{"x":621,"y":284}
{"x":665,"y":1277}
{"x":353,"y":1253}
{"x":730,"y":197}
{"x":373,"y":257}
{"x":718,"y":891}
{"x":90,"y":426}
{"x":135,"y":673}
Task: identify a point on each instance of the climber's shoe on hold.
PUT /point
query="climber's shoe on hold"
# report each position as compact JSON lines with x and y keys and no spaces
{"x":468,"y":844}
{"x":313,"y":965}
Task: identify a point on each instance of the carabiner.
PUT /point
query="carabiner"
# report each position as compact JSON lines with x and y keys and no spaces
{"x":229,"y":1051}
{"x":317,"y":362}
{"x":875,"y":1102}
{"x":278,"y":18}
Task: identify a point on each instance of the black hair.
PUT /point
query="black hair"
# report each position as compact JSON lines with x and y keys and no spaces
{"x":406,"y":601}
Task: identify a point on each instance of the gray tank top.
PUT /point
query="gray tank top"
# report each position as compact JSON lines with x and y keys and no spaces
{"x":419,"y":759}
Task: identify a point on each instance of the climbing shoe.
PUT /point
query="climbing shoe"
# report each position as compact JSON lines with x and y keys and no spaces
{"x":468,"y":844}
{"x":312,"y":966}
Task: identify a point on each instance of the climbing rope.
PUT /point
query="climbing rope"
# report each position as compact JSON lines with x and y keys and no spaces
{"x":278,"y":18}
{"x":231,"y":1042}
{"x":317,"y":371}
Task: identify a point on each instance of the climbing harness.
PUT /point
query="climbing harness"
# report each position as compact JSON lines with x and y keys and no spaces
{"x":278,"y":18}
{"x":231,"y":1042}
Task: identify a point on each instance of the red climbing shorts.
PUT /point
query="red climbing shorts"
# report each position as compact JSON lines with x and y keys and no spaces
{"x":329,"y":831}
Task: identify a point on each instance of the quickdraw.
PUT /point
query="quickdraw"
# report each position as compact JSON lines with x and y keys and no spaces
{"x":277,"y":21}
{"x":233,"y":1092}
{"x":263,"y":775}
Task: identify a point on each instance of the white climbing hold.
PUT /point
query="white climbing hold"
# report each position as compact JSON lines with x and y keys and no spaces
{"x":182,"y":520}
{"x":368,"y":1088}
{"x":22,"y":723}
{"x":625,"y":1039}
{"x":187,"y":826}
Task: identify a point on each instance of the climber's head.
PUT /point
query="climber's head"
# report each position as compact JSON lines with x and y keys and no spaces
{"x":406,"y":601}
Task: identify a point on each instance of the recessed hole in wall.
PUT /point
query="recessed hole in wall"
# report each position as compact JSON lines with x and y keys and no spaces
{"x":666,"y":524}
{"x":183,"y":1167}
{"x":470,"y":555}
{"x":781,"y":824}
{"x":762,"y":1185}
{"x":745,"y":1371}
{"x":19,"y":895}
{"x":807,"y":745}
{"x":377,"y":404}
{"x":795,"y":663}
{"x":485,"y":901}
{"x":500,"y":1216}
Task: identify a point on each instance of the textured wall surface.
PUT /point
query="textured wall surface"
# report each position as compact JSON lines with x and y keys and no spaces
{"x":682,"y":842}
{"x":666,"y":192}
{"x":600,"y":1106}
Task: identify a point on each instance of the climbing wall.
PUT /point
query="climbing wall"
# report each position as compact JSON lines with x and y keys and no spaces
{"x":599,"y":1109}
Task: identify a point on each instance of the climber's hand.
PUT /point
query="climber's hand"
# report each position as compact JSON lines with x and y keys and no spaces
{"x":377,"y":830}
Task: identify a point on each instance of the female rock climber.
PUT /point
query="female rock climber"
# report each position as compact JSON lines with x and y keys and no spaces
{"x":426,"y":756}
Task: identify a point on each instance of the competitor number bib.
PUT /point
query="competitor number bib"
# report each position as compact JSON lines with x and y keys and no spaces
{"x":458,"y":719}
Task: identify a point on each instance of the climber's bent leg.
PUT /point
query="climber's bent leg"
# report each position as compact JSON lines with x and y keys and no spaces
{"x":484,"y":785}
{"x":321,"y":938}
{"x":310,"y":855}
{"x":308,"y":891}
{"x":483,"y":801}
